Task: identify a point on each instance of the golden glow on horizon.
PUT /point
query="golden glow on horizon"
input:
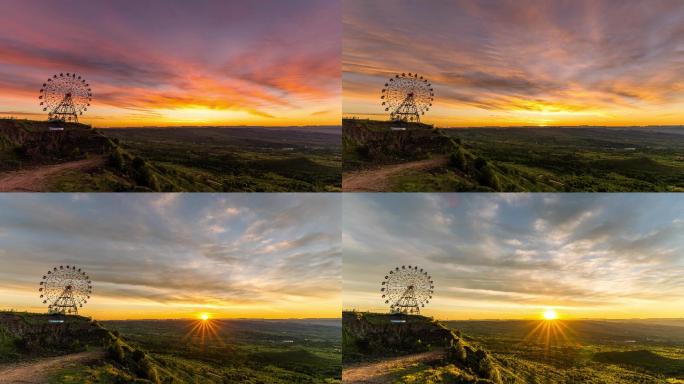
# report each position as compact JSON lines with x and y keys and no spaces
{"x":115,"y":308}
{"x":204,"y":316}
{"x":550,"y":314}
{"x":523,"y":112}
{"x":104,"y":116}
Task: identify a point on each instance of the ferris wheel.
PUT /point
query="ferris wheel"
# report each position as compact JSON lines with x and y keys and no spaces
{"x":407,"y":289}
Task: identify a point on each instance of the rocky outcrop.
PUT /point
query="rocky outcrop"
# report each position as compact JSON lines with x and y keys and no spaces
{"x":35,"y":334}
{"x":33,"y":142}
{"x":375,"y":335}
{"x":377,"y":142}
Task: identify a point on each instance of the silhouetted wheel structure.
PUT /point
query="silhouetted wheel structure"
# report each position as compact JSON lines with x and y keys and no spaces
{"x":65,"y":96}
{"x":407,"y":97}
{"x":406,"y":289}
{"x":65,"y":289}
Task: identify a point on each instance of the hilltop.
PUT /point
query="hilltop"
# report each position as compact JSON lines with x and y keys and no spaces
{"x":415,"y":157}
{"x":417,"y":349}
{"x":75,"y":157}
{"x":26,"y":142}
{"x":55,"y":343}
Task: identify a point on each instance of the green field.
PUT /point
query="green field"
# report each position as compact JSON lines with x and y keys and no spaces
{"x":245,"y":351}
{"x":227,"y":159}
{"x":588,"y":351}
{"x":584,"y":158}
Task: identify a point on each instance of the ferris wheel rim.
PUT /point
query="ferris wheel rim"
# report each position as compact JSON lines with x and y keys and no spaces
{"x":65,"y":89}
{"x":407,"y":94}
{"x":407,"y":286}
{"x":62,"y":281}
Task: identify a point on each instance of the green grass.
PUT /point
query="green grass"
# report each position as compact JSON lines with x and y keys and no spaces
{"x":644,"y":359}
{"x":595,"y":352}
{"x":245,"y":351}
{"x":100,"y":374}
{"x":236,"y":159}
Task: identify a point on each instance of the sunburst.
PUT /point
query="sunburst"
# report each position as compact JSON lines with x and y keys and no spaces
{"x":550,"y":314}
{"x":204,"y":330}
{"x":550,"y":331}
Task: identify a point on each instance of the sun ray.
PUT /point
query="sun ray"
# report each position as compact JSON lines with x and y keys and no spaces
{"x":549,"y":332}
{"x":203,"y":331}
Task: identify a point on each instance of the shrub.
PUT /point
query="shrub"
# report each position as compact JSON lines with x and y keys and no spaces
{"x":480,"y":163}
{"x":138,"y":355}
{"x":457,"y":352}
{"x":489,"y":178}
{"x":144,"y":175}
{"x":116,"y":351}
{"x":148,"y":371}
{"x":458,"y":159}
{"x":116,"y":159}
{"x":487,"y":370}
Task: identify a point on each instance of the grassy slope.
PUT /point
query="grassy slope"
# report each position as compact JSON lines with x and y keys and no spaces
{"x":586,"y":159}
{"x":596,"y":352}
{"x":245,"y":351}
{"x":242,"y":159}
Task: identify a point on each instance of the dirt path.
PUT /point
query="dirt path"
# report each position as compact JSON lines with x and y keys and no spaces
{"x":378,"y":179}
{"x":380,"y":372}
{"x":35,"y":372}
{"x":36,"y":179}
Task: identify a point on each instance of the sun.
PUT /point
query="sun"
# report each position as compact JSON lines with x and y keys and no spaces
{"x":550,"y":314}
{"x":204,"y":316}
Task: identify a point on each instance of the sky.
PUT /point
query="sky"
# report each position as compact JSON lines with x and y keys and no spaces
{"x":176,"y":62}
{"x":520,"y":62}
{"x":178,"y":255}
{"x":513,"y":256}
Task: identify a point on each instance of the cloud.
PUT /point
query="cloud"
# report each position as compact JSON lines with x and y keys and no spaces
{"x":157,"y":248}
{"x":521,"y":57}
{"x":579,"y":251}
{"x":171,"y":56}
